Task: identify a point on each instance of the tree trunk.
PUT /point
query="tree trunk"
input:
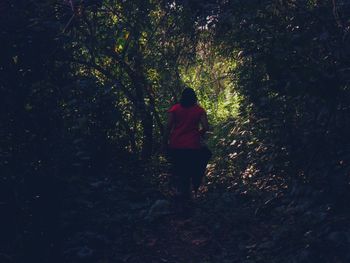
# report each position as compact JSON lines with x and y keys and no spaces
{"x":147,"y":137}
{"x":140,"y":85}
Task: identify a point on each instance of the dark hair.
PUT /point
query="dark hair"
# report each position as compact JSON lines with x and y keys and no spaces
{"x":188,"y":98}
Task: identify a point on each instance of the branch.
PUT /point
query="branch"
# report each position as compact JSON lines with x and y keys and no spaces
{"x":108,"y":75}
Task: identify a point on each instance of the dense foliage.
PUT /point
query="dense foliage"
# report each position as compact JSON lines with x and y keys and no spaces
{"x":85,"y":85}
{"x":294,"y":78}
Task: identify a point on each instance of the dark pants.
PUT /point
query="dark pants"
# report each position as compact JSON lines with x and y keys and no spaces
{"x":188,"y":169}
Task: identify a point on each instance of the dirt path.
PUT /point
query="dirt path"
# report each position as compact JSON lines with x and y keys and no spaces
{"x":108,"y":221}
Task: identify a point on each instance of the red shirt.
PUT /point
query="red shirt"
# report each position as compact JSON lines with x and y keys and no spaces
{"x":185,"y":133}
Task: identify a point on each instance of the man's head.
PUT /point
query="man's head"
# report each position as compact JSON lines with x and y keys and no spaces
{"x":188,"y":97}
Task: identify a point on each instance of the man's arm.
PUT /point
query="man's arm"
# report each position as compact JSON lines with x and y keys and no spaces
{"x":204,"y":123}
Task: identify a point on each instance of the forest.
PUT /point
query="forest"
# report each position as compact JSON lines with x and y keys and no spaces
{"x":85,"y":86}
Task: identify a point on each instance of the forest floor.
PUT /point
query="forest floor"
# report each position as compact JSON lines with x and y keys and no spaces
{"x":124,"y":221}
